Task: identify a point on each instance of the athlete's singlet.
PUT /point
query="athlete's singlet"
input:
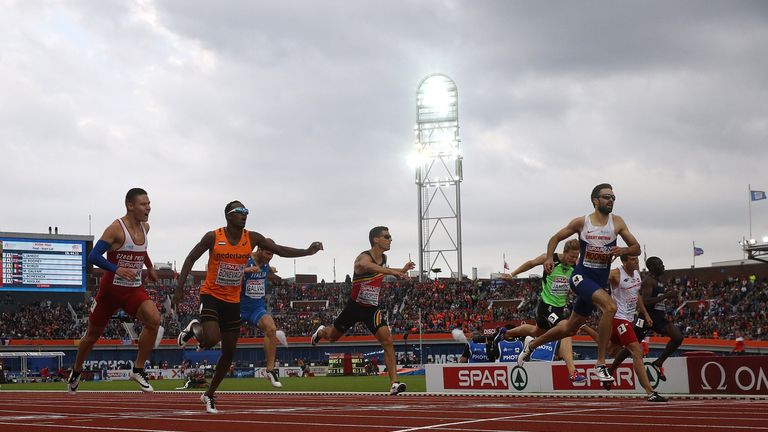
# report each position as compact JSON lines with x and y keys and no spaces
{"x":554,"y":286}
{"x":254,"y":285}
{"x":130,"y":256}
{"x":595,"y":243}
{"x":226,"y":266}
{"x":658,"y":291}
{"x":366,"y":287}
{"x":626,"y":294}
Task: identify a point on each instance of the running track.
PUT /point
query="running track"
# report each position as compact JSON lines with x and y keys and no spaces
{"x":282,"y":412}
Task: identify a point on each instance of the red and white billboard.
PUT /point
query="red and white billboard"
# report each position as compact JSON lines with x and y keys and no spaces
{"x":623,"y":378}
{"x":476,"y":378}
{"x":728,"y":375}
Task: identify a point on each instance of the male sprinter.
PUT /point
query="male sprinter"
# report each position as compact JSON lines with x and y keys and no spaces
{"x":551,"y":308}
{"x":253,"y":309}
{"x":654,"y":296}
{"x":597,"y":232}
{"x":625,"y":287}
{"x":363,"y":303}
{"x":228,"y":250}
{"x":125,"y":242}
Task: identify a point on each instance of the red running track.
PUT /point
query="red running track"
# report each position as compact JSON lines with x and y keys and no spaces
{"x":282,"y":412}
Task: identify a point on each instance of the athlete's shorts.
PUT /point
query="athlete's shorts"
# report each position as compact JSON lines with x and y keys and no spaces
{"x":354,"y":313}
{"x":252,"y":311}
{"x":659,"y":325}
{"x":547,"y":316}
{"x":623,"y":332}
{"x":110,"y":298}
{"x":225,"y":313}
{"x":584,"y":288}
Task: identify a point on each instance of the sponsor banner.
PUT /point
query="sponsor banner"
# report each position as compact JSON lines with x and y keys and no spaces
{"x":476,"y":378}
{"x":623,"y":378}
{"x":281,"y":371}
{"x":545,"y":352}
{"x":728,"y":375}
{"x":118,"y":375}
{"x":319,"y":370}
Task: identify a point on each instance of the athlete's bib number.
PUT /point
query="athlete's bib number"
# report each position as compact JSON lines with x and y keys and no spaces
{"x":622,"y":329}
{"x":597,"y":257}
{"x":368,"y":295}
{"x":552,"y":318}
{"x":254,"y":288}
{"x":640,"y":323}
{"x":229,"y":274}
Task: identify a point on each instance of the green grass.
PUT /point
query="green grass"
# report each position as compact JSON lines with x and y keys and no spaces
{"x":416,"y":383}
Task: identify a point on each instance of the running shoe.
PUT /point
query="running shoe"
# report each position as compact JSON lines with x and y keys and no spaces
{"x":273,"y":379}
{"x":655,"y":397}
{"x":607,"y":385}
{"x":602,"y":373}
{"x":73,"y":382}
{"x":140,"y":376}
{"x":316,"y":335}
{"x":499,"y":335}
{"x":210,"y":403}
{"x":397,"y":387}
{"x":186,"y":334}
{"x":577,"y":377}
{"x":526,"y":352}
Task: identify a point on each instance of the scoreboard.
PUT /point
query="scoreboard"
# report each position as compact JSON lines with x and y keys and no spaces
{"x":43,"y":263}
{"x":354,"y":362}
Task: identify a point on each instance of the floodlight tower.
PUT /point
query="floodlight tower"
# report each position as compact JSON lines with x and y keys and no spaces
{"x":438,"y":175}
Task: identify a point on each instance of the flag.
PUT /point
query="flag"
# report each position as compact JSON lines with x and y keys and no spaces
{"x":697,"y":251}
{"x":757,"y":195}
{"x":506,"y":266}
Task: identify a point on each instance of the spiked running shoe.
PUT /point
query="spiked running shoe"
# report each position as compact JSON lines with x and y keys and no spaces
{"x":186,"y":334}
{"x":499,"y":335}
{"x":397,"y":387}
{"x":273,"y":378}
{"x":140,"y":376}
{"x":602,"y":373}
{"x":316,"y":335}
{"x":73,"y":382}
{"x":577,"y":377}
{"x":210,"y":403}
{"x":655,"y":397}
{"x":525,"y":354}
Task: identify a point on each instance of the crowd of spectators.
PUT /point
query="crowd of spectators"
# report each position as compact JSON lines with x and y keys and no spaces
{"x":704,"y":309}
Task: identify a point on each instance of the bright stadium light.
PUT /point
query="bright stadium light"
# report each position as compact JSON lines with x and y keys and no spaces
{"x":438,"y":175}
{"x":765,"y":239}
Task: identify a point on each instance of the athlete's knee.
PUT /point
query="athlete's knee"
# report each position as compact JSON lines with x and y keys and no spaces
{"x":609,"y":308}
{"x":152,"y":322}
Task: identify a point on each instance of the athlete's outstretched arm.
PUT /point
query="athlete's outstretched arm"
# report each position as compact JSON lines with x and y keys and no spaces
{"x":524,"y":267}
{"x":205,"y":244}
{"x":283,"y":251}
{"x":573,"y":227}
{"x":365,"y":264}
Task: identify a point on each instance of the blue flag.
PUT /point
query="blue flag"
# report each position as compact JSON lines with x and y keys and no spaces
{"x":698,"y":251}
{"x":757,"y":195}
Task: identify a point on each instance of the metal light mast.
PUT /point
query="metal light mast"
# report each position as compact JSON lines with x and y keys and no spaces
{"x":438,"y":175}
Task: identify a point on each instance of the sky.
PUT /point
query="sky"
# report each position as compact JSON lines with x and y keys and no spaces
{"x":304,"y":111}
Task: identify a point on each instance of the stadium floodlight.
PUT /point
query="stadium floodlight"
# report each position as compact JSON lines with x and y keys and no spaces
{"x":765,"y":239}
{"x":438,"y":175}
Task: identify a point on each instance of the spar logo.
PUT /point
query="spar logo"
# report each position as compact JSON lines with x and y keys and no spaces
{"x":623,"y":378}
{"x":476,"y":378}
{"x":730,"y":375}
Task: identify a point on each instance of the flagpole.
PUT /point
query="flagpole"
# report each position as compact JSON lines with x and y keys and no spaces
{"x":503,"y":261}
{"x":749,"y":198}
{"x":694,"y":254}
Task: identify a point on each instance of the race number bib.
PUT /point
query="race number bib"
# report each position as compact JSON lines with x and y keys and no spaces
{"x":229,"y":274}
{"x":131,"y":262}
{"x":560,"y":286}
{"x":255,"y":288}
{"x":597,"y":257}
{"x":368,"y":295}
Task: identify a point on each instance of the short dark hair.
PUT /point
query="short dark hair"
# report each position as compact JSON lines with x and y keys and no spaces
{"x":598,"y":188}
{"x":654,"y":263}
{"x":230,"y":205}
{"x":625,"y":258}
{"x":375,"y":231}
{"x":133,"y":193}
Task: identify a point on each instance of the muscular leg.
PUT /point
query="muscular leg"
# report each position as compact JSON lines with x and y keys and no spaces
{"x":566,"y":353}
{"x":603,"y":300}
{"x":385,"y":338}
{"x":331,"y":334}
{"x":637,"y":361}
{"x":150,"y":319}
{"x":563,"y":329}
{"x":675,"y":339}
{"x":523,"y":330}
{"x":228,"y":345}
{"x":207,"y":333}
{"x":267,"y":325}
{"x":86,"y":345}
